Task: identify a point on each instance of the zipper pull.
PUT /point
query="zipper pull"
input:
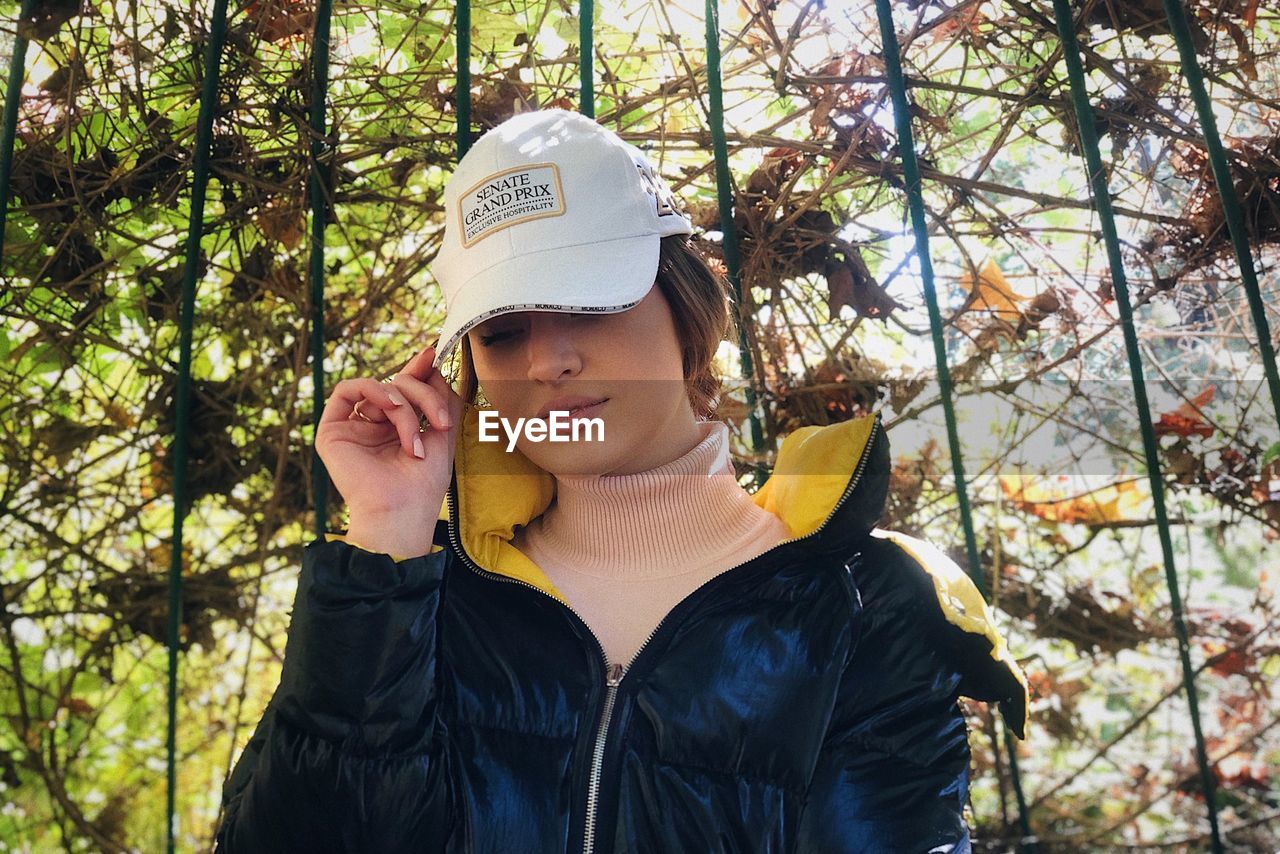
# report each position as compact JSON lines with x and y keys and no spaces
{"x":615,"y":674}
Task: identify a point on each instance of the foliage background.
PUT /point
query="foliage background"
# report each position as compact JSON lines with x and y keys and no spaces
{"x":92,"y":268}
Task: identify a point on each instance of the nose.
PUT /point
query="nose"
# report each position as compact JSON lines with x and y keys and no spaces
{"x":553,"y":353}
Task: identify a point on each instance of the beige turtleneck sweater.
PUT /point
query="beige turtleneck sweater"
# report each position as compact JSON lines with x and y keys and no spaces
{"x":625,"y":549}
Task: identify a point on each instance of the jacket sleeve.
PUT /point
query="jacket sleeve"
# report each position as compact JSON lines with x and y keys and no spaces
{"x":346,"y":756}
{"x":894,"y":770}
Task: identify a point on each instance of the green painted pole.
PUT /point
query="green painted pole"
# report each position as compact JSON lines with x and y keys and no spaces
{"x":1227,"y":191}
{"x":462,"y":34}
{"x":195,"y":228}
{"x":732,"y":256}
{"x":920,"y":228}
{"x":1102,"y":202}
{"x":12,"y":99}
{"x":322,"y":166}
{"x":586,"y":52}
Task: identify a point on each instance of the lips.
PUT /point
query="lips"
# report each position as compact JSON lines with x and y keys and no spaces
{"x":573,"y":404}
{"x":587,"y":411}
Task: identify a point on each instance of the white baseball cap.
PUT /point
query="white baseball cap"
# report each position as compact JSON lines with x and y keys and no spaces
{"x":550,"y":211}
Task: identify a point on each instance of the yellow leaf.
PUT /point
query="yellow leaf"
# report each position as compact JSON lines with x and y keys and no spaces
{"x":1058,"y":500}
{"x":993,"y":295}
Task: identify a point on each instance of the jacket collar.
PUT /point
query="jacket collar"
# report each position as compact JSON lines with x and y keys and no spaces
{"x":829,"y":483}
{"x":828,"y":486}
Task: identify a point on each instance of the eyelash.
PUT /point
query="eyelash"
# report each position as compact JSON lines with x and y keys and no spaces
{"x":487,"y":340}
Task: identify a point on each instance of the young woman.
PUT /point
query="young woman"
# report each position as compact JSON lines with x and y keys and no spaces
{"x":606,"y":643}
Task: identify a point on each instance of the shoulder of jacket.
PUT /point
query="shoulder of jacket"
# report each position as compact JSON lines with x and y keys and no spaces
{"x":971,"y":637}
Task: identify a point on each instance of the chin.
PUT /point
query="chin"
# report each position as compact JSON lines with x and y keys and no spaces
{"x":574,"y":458}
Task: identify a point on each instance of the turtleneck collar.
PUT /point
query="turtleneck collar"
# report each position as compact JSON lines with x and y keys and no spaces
{"x":668,"y":520}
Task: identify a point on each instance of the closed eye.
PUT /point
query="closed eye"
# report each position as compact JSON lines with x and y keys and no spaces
{"x":487,"y":340}
{"x":504,"y":334}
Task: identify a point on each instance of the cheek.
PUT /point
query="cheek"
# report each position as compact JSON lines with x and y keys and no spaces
{"x":649,"y":350}
{"x":509,"y":397}
{"x":668,"y":362}
{"x":497,"y":365}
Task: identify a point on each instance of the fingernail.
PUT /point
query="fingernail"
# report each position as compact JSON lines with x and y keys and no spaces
{"x":417,"y":448}
{"x":443,"y":417}
{"x":395,"y":397}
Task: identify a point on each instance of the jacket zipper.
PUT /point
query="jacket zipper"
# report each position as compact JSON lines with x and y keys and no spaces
{"x":615,"y":671}
{"x":597,"y":754}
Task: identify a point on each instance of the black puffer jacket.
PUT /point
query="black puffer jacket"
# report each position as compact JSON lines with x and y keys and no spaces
{"x":802,"y":701}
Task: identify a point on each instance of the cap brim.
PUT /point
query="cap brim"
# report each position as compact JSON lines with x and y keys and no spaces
{"x":606,"y":276}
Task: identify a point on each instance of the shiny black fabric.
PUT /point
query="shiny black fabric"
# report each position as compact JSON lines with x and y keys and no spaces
{"x":805,"y":701}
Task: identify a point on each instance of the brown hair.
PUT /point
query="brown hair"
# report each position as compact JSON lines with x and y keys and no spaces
{"x":700,"y":307}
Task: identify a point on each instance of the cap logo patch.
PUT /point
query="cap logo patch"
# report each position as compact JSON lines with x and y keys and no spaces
{"x":664,"y":199}
{"x":507,"y":198}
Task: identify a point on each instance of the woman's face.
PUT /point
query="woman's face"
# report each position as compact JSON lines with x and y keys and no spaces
{"x":525,"y":360}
